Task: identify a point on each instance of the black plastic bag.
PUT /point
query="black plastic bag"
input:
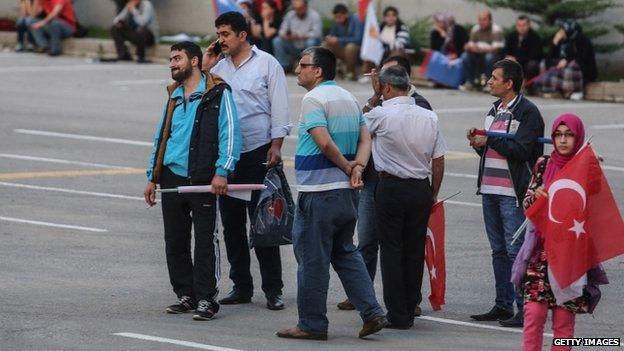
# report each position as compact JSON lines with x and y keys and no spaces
{"x":273,"y":218}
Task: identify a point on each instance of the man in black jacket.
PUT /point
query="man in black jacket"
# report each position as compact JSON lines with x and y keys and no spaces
{"x":198,"y":142}
{"x":525,"y":46}
{"x":504,"y":175}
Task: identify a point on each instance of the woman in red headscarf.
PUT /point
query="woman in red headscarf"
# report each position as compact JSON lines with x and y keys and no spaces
{"x":568,"y":136}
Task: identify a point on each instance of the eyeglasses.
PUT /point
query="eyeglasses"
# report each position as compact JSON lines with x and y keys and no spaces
{"x":566,"y":135}
{"x":304,"y":65}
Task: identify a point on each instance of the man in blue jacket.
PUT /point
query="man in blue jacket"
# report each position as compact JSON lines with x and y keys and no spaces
{"x":197,"y":142}
{"x":344,"y":38}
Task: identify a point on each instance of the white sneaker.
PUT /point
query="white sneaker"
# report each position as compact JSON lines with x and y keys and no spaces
{"x":364,"y":80}
{"x":577,"y":96}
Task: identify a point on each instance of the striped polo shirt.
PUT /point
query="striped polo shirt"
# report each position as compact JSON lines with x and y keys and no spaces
{"x":496,"y":176}
{"x":332,"y":107}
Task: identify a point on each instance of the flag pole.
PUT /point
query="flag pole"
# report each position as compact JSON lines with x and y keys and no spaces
{"x":520,"y":230}
{"x":448,"y":197}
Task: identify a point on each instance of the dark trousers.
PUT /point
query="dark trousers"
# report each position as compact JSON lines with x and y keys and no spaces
{"x":197,"y":278}
{"x":140,"y":37}
{"x":402,"y":207}
{"x":249,"y":169}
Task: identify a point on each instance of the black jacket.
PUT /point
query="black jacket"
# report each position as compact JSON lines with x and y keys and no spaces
{"x":521,"y":152}
{"x":581,"y":50}
{"x":529,"y":49}
{"x":460,"y":38}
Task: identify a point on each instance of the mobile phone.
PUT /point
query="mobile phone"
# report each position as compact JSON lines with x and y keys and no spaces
{"x":216,"y":49}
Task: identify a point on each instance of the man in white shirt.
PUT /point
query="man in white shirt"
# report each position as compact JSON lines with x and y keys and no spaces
{"x":407,"y":148}
{"x":261,"y":95}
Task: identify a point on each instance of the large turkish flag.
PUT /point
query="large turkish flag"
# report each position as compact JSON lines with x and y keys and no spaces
{"x":434,"y":256}
{"x":579,"y":220}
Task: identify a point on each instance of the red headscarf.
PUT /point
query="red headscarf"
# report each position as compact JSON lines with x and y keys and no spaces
{"x":557,"y":160}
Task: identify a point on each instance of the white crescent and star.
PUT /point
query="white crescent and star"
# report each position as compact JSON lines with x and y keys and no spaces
{"x":432,"y":272}
{"x":561,"y":184}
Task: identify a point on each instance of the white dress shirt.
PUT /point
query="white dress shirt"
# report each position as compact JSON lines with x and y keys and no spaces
{"x":261,"y":96}
{"x":406,"y":137}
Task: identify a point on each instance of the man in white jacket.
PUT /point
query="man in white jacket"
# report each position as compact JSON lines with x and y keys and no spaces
{"x":136,"y":23}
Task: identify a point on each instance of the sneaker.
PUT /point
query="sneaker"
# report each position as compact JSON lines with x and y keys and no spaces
{"x":185,"y":304}
{"x":20,"y":48}
{"x":206,"y":310}
{"x":467,"y":87}
{"x":577,"y":96}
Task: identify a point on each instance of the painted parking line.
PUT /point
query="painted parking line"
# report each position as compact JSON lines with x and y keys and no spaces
{"x":475,"y":325}
{"x":50,"y":224}
{"x":607,"y":126}
{"x":71,"y":173}
{"x":195,"y":345}
{"x":82,"y":137}
{"x":71,"y":191}
{"x":60,"y":161}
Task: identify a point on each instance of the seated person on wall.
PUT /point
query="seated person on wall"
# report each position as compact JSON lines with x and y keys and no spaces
{"x":482,"y":51}
{"x":448,"y":37}
{"x":301,"y":28}
{"x":28,"y":8}
{"x":345,"y":37}
{"x":137,"y":24}
{"x":393,"y":34}
{"x":524,"y":45}
{"x":574,"y":61}
{"x":59,"y":23}
{"x":268,"y":28}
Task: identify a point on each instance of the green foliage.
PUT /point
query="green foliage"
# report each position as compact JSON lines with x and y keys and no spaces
{"x":548,"y":12}
{"x":419,"y":33}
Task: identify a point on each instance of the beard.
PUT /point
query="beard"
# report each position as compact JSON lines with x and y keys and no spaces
{"x":182,"y":74}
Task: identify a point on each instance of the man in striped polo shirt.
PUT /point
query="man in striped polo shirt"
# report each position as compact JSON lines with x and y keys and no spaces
{"x":504,"y":175}
{"x":333,"y":149}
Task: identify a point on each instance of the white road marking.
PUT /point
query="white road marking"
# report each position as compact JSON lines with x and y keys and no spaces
{"x":71,"y":191}
{"x":141,"y":82}
{"x":460,"y":203}
{"x":475,"y":325}
{"x":461,"y":175}
{"x":57,"y":160}
{"x":613,"y":168}
{"x":608,"y":126}
{"x":175,"y":342}
{"x":49,"y":224}
{"x":76,"y":68}
{"x":82,"y":137}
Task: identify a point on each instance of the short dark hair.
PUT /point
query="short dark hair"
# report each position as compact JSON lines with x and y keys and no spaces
{"x":340,"y":8}
{"x":396,"y":76}
{"x":402,"y":61}
{"x":323,"y":58}
{"x":391,"y":8}
{"x":524,"y":18}
{"x":190,"y":49}
{"x":511,"y":71}
{"x":235,"y":20}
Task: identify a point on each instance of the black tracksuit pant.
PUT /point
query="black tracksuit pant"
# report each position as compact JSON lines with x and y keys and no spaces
{"x":198,"y":277}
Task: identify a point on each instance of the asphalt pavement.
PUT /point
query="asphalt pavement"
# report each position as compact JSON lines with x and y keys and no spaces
{"x":82,"y":264}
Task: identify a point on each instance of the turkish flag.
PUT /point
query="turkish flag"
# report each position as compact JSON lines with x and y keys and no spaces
{"x":362,"y":6}
{"x":434,"y":256}
{"x":579,"y":220}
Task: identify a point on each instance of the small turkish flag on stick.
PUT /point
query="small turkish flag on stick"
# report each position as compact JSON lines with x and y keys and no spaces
{"x":579,"y":219}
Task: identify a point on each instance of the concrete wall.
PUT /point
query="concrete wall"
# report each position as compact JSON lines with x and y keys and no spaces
{"x":197,"y":17}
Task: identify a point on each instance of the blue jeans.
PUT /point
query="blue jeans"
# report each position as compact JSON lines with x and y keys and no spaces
{"x":368,"y":238}
{"x":51,"y":35}
{"x":287,"y":50}
{"x":475,"y":64}
{"x":323,"y":234}
{"x":502,"y":218}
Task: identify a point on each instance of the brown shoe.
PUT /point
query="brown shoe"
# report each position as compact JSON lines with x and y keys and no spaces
{"x":346,"y":305}
{"x":296,"y":333}
{"x":417,"y":311}
{"x":372,"y":326}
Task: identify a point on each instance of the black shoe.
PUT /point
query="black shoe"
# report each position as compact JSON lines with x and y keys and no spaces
{"x":275,"y":302}
{"x":517,"y":321}
{"x":125,"y":57}
{"x":495,"y":314}
{"x":234,"y":298}
{"x":185,"y":304}
{"x":206,"y":310}
{"x":143,"y":60}
{"x":391,"y":325}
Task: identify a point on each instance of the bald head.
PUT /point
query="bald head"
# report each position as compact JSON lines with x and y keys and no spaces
{"x":485,"y":19}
